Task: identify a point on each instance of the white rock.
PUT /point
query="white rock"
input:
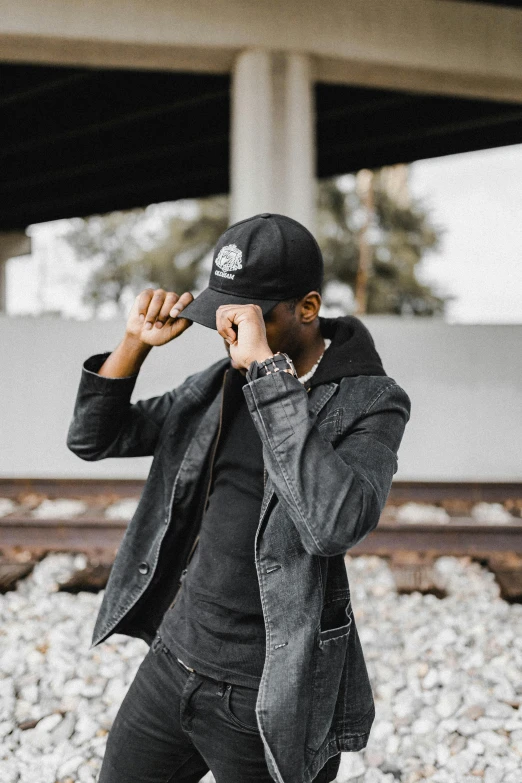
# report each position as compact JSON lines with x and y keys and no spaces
{"x":392,"y":745}
{"x":9,"y":770}
{"x":493,"y":775}
{"x":29,"y":693}
{"x":475,"y":746}
{"x":446,"y":638}
{"x":86,"y":727}
{"x":70,"y":766}
{"x":447,"y":726}
{"x":443,"y":754}
{"x":431,"y":679}
{"x":375,"y":775}
{"x":92,"y":690}
{"x":491,"y":739}
{"x":422,"y":726}
{"x":406,"y":704}
{"x":350,"y":768}
{"x":7,"y":506}
{"x":122,"y":509}
{"x":11,"y":663}
{"x":468,"y":727}
{"x":64,"y":729}
{"x":63,"y":508}
{"x":416,"y":513}
{"x":491,"y":514}
{"x":6,"y":727}
{"x":86,"y":773}
{"x":382,"y":729}
{"x":462,"y":762}
{"x":448,"y":703}
{"x":495,"y":709}
{"x":47,"y":724}
{"x":74,"y":687}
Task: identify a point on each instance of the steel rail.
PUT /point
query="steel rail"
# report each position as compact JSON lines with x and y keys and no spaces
{"x":93,"y":532}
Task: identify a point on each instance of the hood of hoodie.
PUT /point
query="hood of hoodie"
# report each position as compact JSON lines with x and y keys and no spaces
{"x":351,"y":352}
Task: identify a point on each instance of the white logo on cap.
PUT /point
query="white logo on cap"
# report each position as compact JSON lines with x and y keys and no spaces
{"x":229,"y":259}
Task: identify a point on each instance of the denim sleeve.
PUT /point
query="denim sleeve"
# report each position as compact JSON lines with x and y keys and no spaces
{"x":334,"y":495}
{"x":106,"y":424}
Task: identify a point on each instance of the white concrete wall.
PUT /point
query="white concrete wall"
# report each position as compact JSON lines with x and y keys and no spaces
{"x":465,"y":383}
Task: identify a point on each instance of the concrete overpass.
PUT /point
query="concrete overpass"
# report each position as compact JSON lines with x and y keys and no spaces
{"x":111,"y":104}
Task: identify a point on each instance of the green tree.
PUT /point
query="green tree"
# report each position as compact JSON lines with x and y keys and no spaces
{"x":140,"y":248}
{"x":144,"y":247}
{"x":399,"y":235}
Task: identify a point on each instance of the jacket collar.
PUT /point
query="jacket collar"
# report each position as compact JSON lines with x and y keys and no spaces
{"x":352,"y":351}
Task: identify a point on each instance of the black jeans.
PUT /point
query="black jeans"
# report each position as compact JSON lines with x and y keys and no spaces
{"x":174,"y":725}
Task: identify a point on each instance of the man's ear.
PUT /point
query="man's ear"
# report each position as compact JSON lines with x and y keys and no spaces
{"x":309,"y":306}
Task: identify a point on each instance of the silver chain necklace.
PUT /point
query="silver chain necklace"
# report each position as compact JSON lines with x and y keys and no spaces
{"x":308,"y":375}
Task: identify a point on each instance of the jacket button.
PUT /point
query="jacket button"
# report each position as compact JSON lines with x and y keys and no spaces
{"x":143,"y":568}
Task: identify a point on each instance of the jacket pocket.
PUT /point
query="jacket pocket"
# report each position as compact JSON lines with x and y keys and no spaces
{"x":330,"y":650}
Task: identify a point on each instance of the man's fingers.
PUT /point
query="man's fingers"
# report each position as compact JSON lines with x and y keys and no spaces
{"x":184,"y":300}
{"x":154,"y":307}
{"x":170,"y":299}
{"x":143,"y":302}
{"x":225,"y":318}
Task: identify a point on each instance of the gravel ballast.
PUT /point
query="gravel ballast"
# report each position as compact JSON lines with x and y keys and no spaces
{"x":446,"y":675}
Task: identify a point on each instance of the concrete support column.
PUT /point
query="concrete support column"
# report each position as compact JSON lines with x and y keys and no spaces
{"x":273,"y":136}
{"x":12,"y":244}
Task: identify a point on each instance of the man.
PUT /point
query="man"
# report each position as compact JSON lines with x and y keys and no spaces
{"x":268,"y":466}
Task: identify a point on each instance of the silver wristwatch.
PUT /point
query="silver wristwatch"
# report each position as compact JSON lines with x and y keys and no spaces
{"x":279,"y":362}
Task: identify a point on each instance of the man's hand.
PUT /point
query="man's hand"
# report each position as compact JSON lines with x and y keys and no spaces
{"x":243,"y":327}
{"x":153,"y":319}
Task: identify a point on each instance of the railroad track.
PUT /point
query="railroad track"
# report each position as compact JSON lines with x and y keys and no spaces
{"x":411,"y":546}
{"x":92,"y":531}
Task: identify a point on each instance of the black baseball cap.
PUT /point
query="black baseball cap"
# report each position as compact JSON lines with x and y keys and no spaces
{"x":261,"y":260}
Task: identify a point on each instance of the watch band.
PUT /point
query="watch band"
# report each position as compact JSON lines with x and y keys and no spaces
{"x":279,"y":362}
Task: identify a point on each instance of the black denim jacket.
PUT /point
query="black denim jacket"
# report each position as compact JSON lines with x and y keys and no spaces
{"x":330,"y":453}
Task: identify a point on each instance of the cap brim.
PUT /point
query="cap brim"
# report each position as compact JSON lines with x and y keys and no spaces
{"x":203,"y":308}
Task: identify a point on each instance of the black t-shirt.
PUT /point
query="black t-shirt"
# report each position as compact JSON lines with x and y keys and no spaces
{"x":216,"y":625}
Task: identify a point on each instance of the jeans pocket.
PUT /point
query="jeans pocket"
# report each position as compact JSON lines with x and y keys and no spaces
{"x":240,"y":707}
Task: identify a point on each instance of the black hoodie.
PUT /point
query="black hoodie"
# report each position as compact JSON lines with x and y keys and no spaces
{"x":351,"y":352}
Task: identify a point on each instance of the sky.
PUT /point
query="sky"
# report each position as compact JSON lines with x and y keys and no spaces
{"x":476,"y":197}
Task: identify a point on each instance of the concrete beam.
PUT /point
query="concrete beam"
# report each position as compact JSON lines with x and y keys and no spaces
{"x":447,"y":47}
